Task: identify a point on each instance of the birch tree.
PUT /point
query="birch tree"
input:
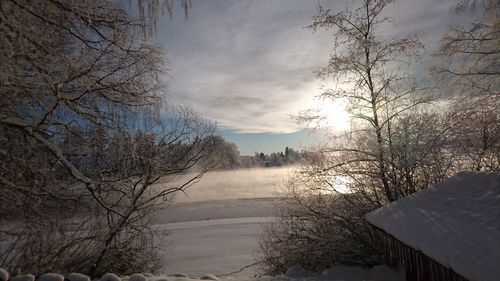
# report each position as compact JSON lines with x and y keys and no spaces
{"x":391,"y":150}
{"x":470,"y":52}
{"x":370,"y":71}
{"x":470,"y":71}
{"x":86,"y":154}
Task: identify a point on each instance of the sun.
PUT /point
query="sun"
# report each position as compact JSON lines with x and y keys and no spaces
{"x":334,"y":114}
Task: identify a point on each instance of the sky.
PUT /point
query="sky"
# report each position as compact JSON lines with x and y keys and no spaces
{"x":250,"y":65}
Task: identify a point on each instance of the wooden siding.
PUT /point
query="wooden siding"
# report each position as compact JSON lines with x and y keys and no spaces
{"x":417,"y":266}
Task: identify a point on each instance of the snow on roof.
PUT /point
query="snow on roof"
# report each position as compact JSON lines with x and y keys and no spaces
{"x":455,"y":222}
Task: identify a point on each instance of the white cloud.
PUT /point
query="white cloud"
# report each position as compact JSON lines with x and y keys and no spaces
{"x":249,"y":64}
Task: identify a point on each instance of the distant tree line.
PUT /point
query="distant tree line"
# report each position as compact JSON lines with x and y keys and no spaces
{"x":227,"y":156}
{"x":276,"y":159}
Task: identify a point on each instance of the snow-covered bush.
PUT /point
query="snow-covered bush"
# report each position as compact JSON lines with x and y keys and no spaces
{"x":23,"y":277}
{"x":77,"y":277}
{"x":4,"y":275}
{"x":51,"y":277}
{"x":317,"y":230}
{"x":137,"y":277}
{"x":209,"y":277}
{"x":110,"y":277}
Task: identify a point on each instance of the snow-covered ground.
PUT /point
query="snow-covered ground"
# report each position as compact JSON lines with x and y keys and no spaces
{"x":214,"y":230}
{"x":214,"y":227}
{"x":218,"y":237}
{"x":338,"y":273}
{"x":205,"y":240}
{"x":296,"y":273}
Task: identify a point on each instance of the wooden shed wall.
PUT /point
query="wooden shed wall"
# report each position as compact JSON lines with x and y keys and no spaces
{"x":417,"y":266}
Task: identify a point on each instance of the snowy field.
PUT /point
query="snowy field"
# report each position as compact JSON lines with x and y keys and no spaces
{"x":217,"y":237}
{"x":214,"y":230}
{"x":214,"y":227}
{"x":337,"y":273}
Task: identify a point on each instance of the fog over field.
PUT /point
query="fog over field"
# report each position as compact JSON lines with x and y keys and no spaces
{"x":236,"y":184}
{"x":219,"y":219}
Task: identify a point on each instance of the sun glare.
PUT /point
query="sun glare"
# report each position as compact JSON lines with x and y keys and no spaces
{"x":334,"y":113}
{"x":338,"y":184}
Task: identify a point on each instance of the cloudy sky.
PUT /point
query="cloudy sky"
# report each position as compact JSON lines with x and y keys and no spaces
{"x":249,"y":65}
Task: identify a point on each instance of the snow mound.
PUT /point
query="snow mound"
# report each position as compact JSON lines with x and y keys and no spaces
{"x":137,"y":277}
{"x":382,"y":272}
{"x":51,"y":277}
{"x":296,"y":271}
{"x":110,"y":277}
{"x":179,"y":275}
{"x":283,"y":278}
{"x":209,"y":277}
{"x":4,"y":275}
{"x":456,"y":222}
{"x":183,"y":277}
{"x":77,"y":277}
{"x":23,"y":277}
{"x":342,"y":272}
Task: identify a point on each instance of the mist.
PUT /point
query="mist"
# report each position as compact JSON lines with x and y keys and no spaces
{"x":236,"y":184}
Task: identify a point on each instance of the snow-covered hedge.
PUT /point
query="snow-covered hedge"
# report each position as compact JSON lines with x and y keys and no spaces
{"x":294,"y":273}
{"x":5,"y":276}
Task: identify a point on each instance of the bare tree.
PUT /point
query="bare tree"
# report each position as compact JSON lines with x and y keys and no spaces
{"x":392,"y":149}
{"x":316,"y":229}
{"x":84,"y":147}
{"x":151,"y":10}
{"x":474,"y":124}
{"x":369,"y":72}
{"x":470,"y":52}
{"x":470,"y":70}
